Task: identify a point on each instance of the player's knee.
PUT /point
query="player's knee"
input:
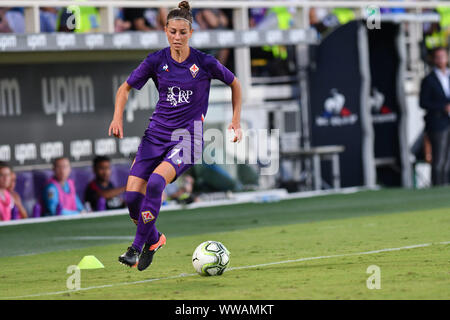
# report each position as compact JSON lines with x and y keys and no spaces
{"x":155,"y":186}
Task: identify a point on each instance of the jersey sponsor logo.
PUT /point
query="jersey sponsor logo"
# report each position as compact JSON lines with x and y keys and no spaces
{"x":176,"y":95}
{"x":147,"y":216}
{"x":194,"y":70}
{"x":166,"y":68}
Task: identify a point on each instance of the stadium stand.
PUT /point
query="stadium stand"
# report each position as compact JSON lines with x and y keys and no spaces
{"x":270,"y":71}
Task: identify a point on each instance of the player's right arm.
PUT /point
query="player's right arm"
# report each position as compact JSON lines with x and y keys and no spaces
{"x":116,"y":126}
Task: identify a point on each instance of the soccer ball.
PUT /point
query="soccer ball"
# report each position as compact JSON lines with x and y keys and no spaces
{"x":211,"y":258}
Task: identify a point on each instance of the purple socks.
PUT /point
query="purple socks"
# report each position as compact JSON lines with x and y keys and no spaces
{"x":146,"y":230}
{"x":134,"y":202}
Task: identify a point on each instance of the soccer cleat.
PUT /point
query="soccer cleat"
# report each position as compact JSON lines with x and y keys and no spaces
{"x":149,"y":250}
{"x":130,"y":258}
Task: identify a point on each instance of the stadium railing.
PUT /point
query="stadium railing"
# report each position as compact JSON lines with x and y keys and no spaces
{"x":239,"y":8}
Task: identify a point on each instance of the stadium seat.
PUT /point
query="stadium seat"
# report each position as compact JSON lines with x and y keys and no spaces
{"x":82,"y":176}
{"x":119,"y":174}
{"x":101,"y":204}
{"x":40,"y":179}
{"x":25,"y":188}
{"x":15,"y":213}
{"x":30,"y":185}
{"x":37,"y":210}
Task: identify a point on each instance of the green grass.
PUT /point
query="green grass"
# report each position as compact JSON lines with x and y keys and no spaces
{"x":255,"y":234}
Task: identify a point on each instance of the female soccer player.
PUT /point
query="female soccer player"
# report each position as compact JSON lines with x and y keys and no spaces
{"x":182,"y":75}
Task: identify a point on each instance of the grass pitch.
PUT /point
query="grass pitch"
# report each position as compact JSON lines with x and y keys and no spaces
{"x":317,"y":248}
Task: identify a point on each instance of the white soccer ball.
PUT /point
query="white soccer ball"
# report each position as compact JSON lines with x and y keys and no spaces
{"x":211,"y":258}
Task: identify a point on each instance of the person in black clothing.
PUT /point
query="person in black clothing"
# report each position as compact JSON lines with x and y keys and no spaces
{"x":435,"y":99}
{"x":145,"y":19}
{"x":102,"y":187}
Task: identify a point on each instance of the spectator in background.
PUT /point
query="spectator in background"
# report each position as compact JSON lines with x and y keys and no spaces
{"x":60,"y":196}
{"x":120,"y":25}
{"x":4,"y":26}
{"x":48,"y":17}
{"x":6,"y":200}
{"x":435,"y":99}
{"x":317,"y":19}
{"x":89,"y":20}
{"x":12,"y":20}
{"x":214,"y":19}
{"x":256,"y":16}
{"x":145,"y":19}
{"x":16,"y":197}
{"x":436,"y":34}
{"x":180,"y":190}
{"x":102,"y":187}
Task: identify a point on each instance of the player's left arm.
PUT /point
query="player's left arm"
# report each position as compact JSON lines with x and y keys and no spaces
{"x":236,"y":100}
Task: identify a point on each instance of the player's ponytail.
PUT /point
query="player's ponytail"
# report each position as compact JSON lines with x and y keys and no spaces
{"x":183,"y":12}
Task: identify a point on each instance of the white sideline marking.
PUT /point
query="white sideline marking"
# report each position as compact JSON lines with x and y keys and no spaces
{"x":185,"y":275}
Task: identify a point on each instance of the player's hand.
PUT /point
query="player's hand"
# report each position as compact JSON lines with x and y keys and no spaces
{"x":236,"y":127}
{"x":116,"y":128}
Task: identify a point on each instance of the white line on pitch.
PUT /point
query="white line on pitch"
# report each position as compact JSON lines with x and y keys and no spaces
{"x":185,"y":275}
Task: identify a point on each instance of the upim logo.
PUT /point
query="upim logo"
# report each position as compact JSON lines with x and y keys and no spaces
{"x":80,"y":148}
{"x":122,"y":40}
{"x":10,"y":104}
{"x":335,"y":113}
{"x":37,"y":41}
{"x":200,"y":38}
{"x":250,"y":37}
{"x":5,"y":153}
{"x":25,"y":151}
{"x":51,"y":150}
{"x":148,"y":39}
{"x":105,"y":146}
{"x":94,"y":40}
{"x":7,"y":42}
{"x":64,"y":40}
{"x":63,"y":95}
{"x":137,"y":100}
{"x":128,"y":146}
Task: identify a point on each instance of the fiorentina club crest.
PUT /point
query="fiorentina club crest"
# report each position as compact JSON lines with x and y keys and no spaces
{"x":194,"y":70}
{"x":147,"y":216}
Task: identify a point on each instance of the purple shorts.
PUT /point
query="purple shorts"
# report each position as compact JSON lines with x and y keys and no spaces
{"x":156,"y":147}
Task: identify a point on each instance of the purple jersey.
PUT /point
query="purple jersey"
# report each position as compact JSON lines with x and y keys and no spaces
{"x":183,"y":87}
